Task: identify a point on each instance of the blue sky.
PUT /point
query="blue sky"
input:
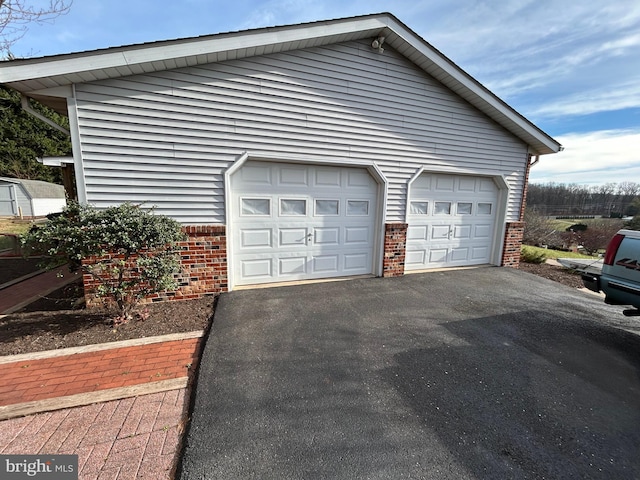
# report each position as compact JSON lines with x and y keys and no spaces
{"x":571,"y":67}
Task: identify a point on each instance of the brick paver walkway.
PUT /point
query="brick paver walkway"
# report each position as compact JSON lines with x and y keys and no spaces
{"x":133,"y":438}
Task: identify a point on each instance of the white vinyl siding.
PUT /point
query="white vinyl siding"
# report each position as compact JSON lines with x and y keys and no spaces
{"x":166,"y":138}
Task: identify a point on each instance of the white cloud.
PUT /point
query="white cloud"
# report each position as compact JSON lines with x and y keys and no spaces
{"x":592,"y":158}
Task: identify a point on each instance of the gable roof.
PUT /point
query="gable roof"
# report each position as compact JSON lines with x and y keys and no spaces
{"x":49,"y":79}
{"x":37,"y":188}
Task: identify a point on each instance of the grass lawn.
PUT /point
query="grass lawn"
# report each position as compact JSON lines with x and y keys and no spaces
{"x":8,"y":225}
{"x":555,"y":254}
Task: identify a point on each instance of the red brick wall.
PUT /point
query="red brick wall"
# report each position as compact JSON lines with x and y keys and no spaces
{"x":204,"y":266}
{"x":512,"y":243}
{"x":395,"y":244}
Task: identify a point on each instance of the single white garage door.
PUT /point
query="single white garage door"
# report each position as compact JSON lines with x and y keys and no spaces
{"x":451,"y":221}
{"x":297,"y":222}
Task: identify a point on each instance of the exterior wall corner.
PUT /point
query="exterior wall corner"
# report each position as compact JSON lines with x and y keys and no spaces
{"x":514,"y":233}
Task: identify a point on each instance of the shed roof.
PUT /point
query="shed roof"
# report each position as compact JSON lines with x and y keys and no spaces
{"x":49,"y":79}
{"x":37,"y":188}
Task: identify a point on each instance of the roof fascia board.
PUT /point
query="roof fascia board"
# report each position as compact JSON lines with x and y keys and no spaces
{"x":171,"y":49}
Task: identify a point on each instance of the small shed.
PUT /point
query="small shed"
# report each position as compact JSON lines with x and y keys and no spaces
{"x":30,"y":198}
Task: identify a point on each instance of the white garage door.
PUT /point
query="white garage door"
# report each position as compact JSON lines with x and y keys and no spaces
{"x":296,"y":222}
{"x":451,"y":221}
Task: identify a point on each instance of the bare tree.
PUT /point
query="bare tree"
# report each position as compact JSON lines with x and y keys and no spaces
{"x":16,"y":15}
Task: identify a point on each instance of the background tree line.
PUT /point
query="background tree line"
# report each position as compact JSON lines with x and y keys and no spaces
{"x":608,"y":200}
{"x":24,"y":138}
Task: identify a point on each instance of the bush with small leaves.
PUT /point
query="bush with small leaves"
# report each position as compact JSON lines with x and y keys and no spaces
{"x":531,"y":255}
{"x":130,"y":252}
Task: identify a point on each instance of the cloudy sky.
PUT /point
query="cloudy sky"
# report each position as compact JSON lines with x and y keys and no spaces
{"x":571,"y":67}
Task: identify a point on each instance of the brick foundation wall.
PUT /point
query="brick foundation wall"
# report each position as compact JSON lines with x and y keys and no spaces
{"x":512,"y":243}
{"x":203,"y":258}
{"x":395,"y":245}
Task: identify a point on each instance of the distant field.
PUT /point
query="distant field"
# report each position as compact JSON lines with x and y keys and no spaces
{"x":562,"y":225}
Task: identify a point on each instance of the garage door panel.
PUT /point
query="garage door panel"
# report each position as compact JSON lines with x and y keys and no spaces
{"x":292,"y":265}
{"x":417,"y":232}
{"x":326,"y":264}
{"x":292,"y":237}
{"x":293,"y":176}
{"x":480,"y":253}
{"x":325,"y":177}
{"x":439,"y":232}
{"x":451,"y":221}
{"x":482,"y":231}
{"x":326,"y":236}
{"x":356,"y":262}
{"x":298,"y":222}
{"x":415,"y":257}
{"x":357,"y":235}
{"x":257,"y":175}
{"x":462,"y":232}
{"x":256,"y":268}
{"x":437,"y":255}
{"x":444,"y":183}
{"x":459,"y":254}
{"x":487,"y":185}
{"x":467,"y":185}
{"x":359,"y":180}
{"x":252,"y":238}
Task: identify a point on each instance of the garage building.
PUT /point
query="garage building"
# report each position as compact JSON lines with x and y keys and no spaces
{"x":320,"y":150}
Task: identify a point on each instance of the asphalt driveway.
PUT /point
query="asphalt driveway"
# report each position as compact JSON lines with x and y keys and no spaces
{"x":467,"y":374}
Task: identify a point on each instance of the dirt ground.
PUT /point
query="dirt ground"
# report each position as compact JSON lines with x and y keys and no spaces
{"x":555,"y":273}
{"x":50,"y":323}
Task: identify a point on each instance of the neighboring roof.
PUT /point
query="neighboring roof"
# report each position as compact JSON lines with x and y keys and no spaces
{"x":48,"y":79}
{"x":37,"y":188}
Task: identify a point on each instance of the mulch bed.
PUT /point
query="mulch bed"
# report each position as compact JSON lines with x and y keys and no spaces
{"x":553,"y":272}
{"x":36,"y":331}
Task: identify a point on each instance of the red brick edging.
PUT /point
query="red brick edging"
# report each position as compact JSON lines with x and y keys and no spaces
{"x":80,"y":373}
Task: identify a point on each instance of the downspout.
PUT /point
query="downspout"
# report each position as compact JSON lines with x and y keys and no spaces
{"x":525,"y":186}
{"x":26,"y":106}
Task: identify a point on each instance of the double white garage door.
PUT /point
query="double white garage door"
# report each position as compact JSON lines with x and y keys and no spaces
{"x":297,"y":222}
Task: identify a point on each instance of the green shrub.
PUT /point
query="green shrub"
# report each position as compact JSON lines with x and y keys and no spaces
{"x":633,"y":224}
{"x":130,"y":252}
{"x":531,"y":255}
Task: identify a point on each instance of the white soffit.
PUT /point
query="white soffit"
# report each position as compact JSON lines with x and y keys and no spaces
{"x":42,"y":77}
